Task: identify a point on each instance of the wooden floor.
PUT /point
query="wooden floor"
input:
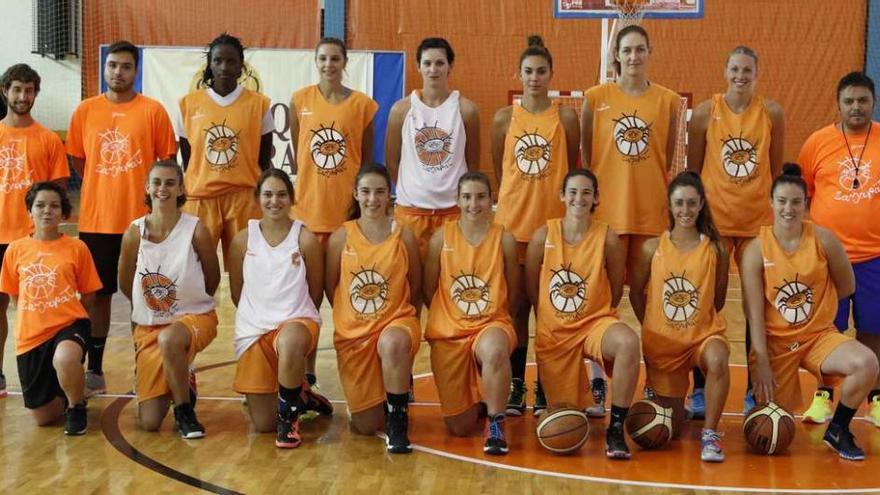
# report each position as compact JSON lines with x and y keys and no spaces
{"x":115,"y":457}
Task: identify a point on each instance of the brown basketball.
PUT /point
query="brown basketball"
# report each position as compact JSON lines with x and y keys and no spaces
{"x":649,"y":424}
{"x":769,"y":429}
{"x":564,"y":430}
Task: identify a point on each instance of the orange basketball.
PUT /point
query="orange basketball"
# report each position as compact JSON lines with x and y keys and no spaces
{"x":769,"y":429}
{"x":649,"y":424}
{"x":564,"y":430}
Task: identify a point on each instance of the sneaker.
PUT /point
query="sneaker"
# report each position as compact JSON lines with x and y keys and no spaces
{"x":516,"y":403}
{"x":287,"y":431}
{"x":77,"y":419}
{"x":495,"y":441}
{"x":540,"y":406}
{"x":874,"y":411}
{"x":3,"y":392}
{"x":820,"y":409}
{"x":615,"y":443}
{"x":749,"y":402}
{"x":710,"y":441}
{"x":397,"y":430}
{"x":95,"y":384}
{"x":187,"y":424}
{"x":313,"y":401}
{"x":697,"y":407}
{"x":843,"y":442}
{"x":598,"y":388}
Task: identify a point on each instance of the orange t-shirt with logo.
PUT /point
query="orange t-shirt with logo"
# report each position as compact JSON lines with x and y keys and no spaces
{"x":225,"y":142}
{"x":535,"y":163}
{"x":47,"y":277}
{"x":119,"y":143}
{"x":328,"y":154}
{"x":844,"y":195}
{"x":628,"y":155}
{"x":736,"y":167}
{"x":27,"y":155}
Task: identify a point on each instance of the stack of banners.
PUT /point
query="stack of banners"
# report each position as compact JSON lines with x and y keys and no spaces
{"x":168,"y":73}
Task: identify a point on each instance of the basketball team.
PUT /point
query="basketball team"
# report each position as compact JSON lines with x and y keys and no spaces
{"x":804,"y":238}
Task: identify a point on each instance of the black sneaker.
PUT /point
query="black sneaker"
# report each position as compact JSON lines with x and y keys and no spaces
{"x":187,"y":424}
{"x":540,"y":406}
{"x":495,"y":441}
{"x":615,"y":442}
{"x":77,"y":419}
{"x":287,"y":431}
{"x":843,"y":442}
{"x":396,"y":430}
{"x":313,"y":401}
{"x":516,"y":402}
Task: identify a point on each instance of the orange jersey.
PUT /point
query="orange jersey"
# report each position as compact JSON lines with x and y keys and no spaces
{"x":799,"y":296}
{"x":373,"y":289}
{"x":27,"y":155}
{"x":845,"y":195}
{"x":46,"y":277}
{"x":736,"y":167}
{"x":119,"y":143}
{"x":225,"y":142}
{"x":628,"y":155}
{"x":680,"y":311}
{"x":472,"y":290}
{"x":535,"y":163}
{"x":328,"y":154}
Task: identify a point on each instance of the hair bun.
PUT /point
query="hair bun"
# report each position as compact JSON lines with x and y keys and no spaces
{"x":792,"y":169}
{"x":535,"y":40}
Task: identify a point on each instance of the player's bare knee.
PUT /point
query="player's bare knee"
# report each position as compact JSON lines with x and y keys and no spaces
{"x":172,"y":339}
{"x":68,"y":356}
{"x":394,"y":345}
{"x":292,"y":343}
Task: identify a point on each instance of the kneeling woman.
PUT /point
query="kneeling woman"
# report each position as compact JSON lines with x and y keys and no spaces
{"x":373,"y":279}
{"x":471,"y":264}
{"x":685,"y":273}
{"x":276,"y":279}
{"x":168,"y":268}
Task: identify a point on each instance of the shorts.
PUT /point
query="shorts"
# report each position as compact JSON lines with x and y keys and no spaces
{"x":675,"y":382}
{"x":424,"y":223}
{"x":105,"y":249}
{"x":561,"y":364}
{"x":257,"y":369}
{"x":149,"y":376}
{"x":456,"y":373}
{"x":360,"y":368}
{"x":807,"y":352}
{"x":39,"y":381}
{"x":865,"y":309}
{"x":224,"y":216}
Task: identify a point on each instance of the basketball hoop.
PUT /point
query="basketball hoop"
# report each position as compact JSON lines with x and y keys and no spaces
{"x":630,"y":12}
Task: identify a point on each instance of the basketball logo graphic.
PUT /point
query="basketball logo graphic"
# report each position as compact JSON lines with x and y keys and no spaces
{"x":160,"y":292}
{"x":12,"y":169}
{"x":852,"y":176}
{"x":680,"y":298}
{"x":794,"y":301}
{"x":115,"y":152}
{"x":39,"y":281}
{"x":532,"y":153}
{"x":221,"y":146}
{"x":739,"y":157}
{"x":470,"y":294}
{"x":368,"y":291}
{"x":328,"y":148}
{"x":631,"y":135}
{"x":433,"y":147}
{"x":568,"y":290}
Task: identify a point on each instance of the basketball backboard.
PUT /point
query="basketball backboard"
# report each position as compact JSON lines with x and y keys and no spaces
{"x":604,"y":9}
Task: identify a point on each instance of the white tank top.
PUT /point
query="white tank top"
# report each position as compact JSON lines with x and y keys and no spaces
{"x":275,"y":289}
{"x":431,"y":154}
{"x":169,"y":281}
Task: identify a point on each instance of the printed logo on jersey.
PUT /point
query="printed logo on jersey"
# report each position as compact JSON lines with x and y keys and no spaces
{"x":681,"y":299}
{"x":115,"y":154}
{"x":739,"y":158}
{"x":41,"y":287}
{"x":160,"y":293}
{"x":434,"y":148}
{"x":14,"y":175}
{"x":532,"y":154}
{"x":568,"y":291}
{"x":367,"y":292}
{"x":470,"y":294}
{"x":328,"y":150}
{"x":856,"y":180}
{"x":221,"y":146}
{"x":631,"y":135}
{"x":794,"y":301}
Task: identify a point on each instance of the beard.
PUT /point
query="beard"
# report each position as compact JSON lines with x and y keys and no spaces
{"x":20,"y":108}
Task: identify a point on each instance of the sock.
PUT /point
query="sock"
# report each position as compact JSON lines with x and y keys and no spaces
{"x":748,"y":349}
{"x":830,"y":391}
{"x":96,"y":354}
{"x":873,"y":393}
{"x":312,"y":379}
{"x":397,"y":402}
{"x":288,"y":399}
{"x":497,"y":418}
{"x":186,"y":406}
{"x":518,"y":362}
{"x":699,"y":379}
{"x":618,"y":414}
{"x":842,"y":416}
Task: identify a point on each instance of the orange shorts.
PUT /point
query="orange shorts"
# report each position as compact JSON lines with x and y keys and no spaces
{"x":804,"y":351}
{"x":455,"y":368}
{"x":673,"y":379}
{"x":224,"y":216}
{"x":561,"y":364}
{"x":149,"y":376}
{"x":257,"y":369}
{"x":360,"y":368}
{"x":424,"y":223}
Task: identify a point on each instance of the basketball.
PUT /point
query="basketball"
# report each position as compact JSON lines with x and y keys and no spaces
{"x":649,"y":424}
{"x":769,"y":429}
{"x":563,"y":431}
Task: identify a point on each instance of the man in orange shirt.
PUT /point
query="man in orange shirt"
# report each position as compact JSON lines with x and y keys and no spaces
{"x":844,"y":191}
{"x":114,"y":138}
{"x":29,"y":153}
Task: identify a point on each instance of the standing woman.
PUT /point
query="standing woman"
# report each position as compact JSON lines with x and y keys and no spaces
{"x":373,"y":281}
{"x":685,"y":274}
{"x":534,"y":144}
{"x":470,"y":275}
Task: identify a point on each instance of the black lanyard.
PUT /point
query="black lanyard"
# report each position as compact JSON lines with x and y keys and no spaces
{"x":856,"y":164}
